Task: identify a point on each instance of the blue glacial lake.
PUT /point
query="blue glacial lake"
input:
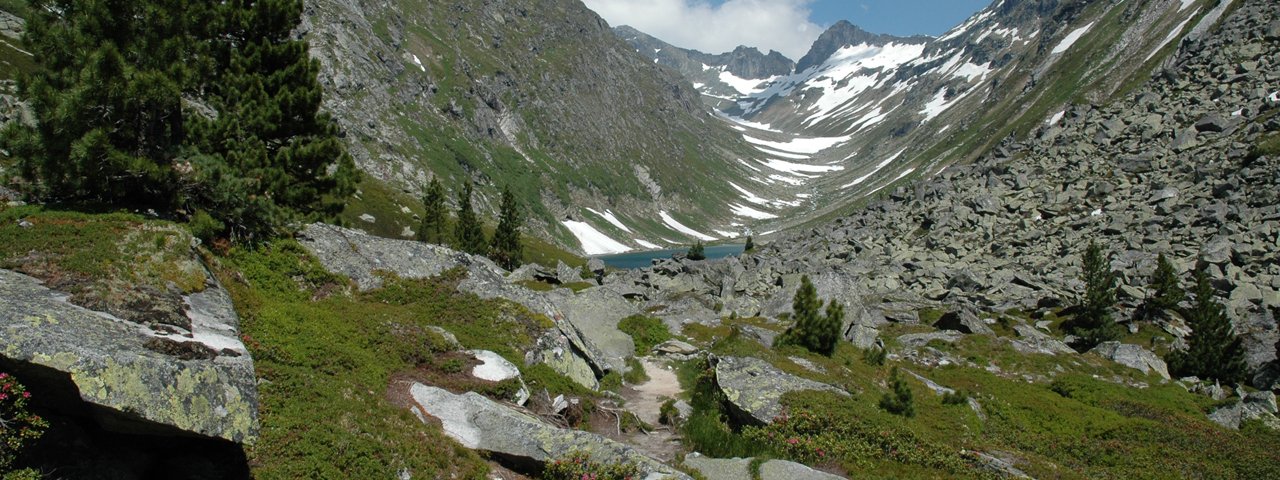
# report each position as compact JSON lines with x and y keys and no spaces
{"x":644,"y":259}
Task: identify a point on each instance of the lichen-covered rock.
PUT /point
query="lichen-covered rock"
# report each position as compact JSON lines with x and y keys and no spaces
{"x":361,"y":256}
{"x":754,"y":387}
{"x":141,"y":382}
{"x":784,"y":470}
{"x":719,"y":468}
{"x":1133,"y":356}
{"x":481,"y":424}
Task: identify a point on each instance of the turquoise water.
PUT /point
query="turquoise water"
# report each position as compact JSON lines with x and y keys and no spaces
{"x":644,"y":259}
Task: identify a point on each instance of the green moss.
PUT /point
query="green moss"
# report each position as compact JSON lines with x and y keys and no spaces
{"x":646,"y":332}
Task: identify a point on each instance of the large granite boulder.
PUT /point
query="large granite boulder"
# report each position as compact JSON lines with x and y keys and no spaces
{"x":596,"y":312}
{"x":134,"y":379}
{"x":1132,"y":356}
{"x":1031,"y":340}
{"x":754,"y":388}
{"x":481,"y":424}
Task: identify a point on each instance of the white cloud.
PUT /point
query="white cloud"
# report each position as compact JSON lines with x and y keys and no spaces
{"x":781,"y":25}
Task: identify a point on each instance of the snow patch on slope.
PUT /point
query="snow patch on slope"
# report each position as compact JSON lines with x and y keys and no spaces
{"x":608,"y":216}
{"x":802,"y":145}
{"x":1071,"y":39}
{"x":744,"y":211}
{"x":593,"y":242}
{"x":679,"y":227}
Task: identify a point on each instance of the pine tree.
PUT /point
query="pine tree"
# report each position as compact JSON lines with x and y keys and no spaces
{"x":812,"y":330}
{"x":270,"y":157}
{"x":1094,"y":324}
{"x":467,"y":233}
{"x":1213,"y":349}
{"x":1166,"y":293}
{"x":434,"y":217}
{"x":899,"y":400}
{"x":506,"y":249}
{"x":750,"y":245}
{"x":108,"y":98}
{"x":207,"y":108}
{"x":697,"y":251}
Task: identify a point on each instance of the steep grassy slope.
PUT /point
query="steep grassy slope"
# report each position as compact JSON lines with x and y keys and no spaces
{"x":537,"y":95}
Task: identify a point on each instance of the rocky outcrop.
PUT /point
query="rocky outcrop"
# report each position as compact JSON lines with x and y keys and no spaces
{"x":1031,"y":340}
{"x":568,"y":349}
{"x":1259,"y":406}
{"x":133,"y":380}
{"x":361,"y":256}
{"x":740,"y":468}
{"x":519,"y":439}
{"x":754,"y":388}
{"x":1134,"y":357}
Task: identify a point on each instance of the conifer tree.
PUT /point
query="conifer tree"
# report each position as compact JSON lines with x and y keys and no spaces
{"x":1166,"y":293}
{"x":812,"y":330}
{"x":899,"y":401}
{"x":697,"y":251}
{"x":467,"y":233}
{"x":750,"y":245}
{"x":107,"y":99}
{"x":434,"y":217}
{"x":270,"y":156}
{"x":505,"y":248}
{"x":1213,"y":349}
{"x":1094,"y":324}
{"x":207,"y":108}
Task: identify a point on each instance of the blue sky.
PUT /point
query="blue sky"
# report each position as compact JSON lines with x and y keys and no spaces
{"x":789,"y":26}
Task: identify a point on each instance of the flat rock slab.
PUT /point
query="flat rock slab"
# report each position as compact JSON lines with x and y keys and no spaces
{"x":740,"y":469}
{"x":596,"y":312}
{"x":754,"y":387}
{"x":481,"y":424}
{"x":360,"y":256}
{"x":109,"y":365}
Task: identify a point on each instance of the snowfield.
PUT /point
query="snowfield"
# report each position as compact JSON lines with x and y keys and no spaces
{"x":679,"y":227}
{"x":608,"y":216}
{"x":593,"y":242}
{"x":743,"y":211}
{"x":801,"y":145}
{"x":1071,"y":39}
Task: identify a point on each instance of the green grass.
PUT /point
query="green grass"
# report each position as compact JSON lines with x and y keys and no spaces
{"x":21,"y":8}
{"x":327,"y":355}
{"x":14,"y":60}
{"x":646,"y":332}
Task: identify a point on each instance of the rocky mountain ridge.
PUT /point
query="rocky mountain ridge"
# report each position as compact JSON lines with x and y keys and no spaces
{"x":864,"y":113}
{"x":1179,"y":167}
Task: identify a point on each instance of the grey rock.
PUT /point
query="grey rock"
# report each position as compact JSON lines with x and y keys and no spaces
{"x":1032,"y":340}
{"x":481,"y":424}
{"x":494,"y":368}
{"x":784,"y":470}
{"x":1266,"y":400}
{"x":916,"y":340}
{"x":963,"y":321}
{"x":753,"y":387}
{"x":1214,"y":123}
{"x":596,"y":312}
{"x":114,"y":365}
{"x":567,"y":274}
{"x":719,"y":468}
{"x":1132,"y":356}
{"x":675,"y":347}
{"x":360,"y":256}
